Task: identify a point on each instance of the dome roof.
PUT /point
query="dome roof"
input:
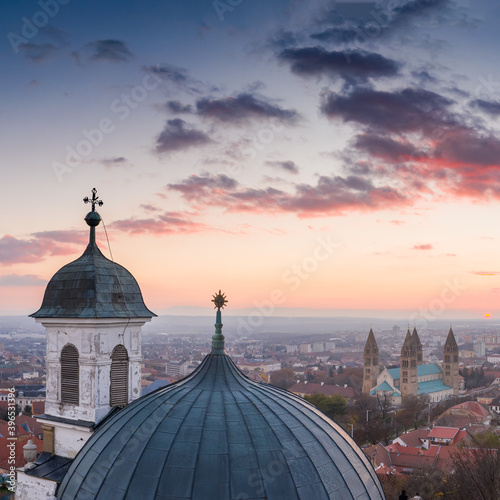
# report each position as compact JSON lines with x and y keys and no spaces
{"x":93,"y":286}
{"x":216,"y":434}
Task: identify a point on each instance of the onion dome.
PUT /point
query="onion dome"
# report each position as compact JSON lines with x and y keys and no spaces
{"x":93,"y":286}
{"x":218,"y":435}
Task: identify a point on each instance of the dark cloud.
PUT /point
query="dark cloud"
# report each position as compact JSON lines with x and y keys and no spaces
{"x":38,"y":52}
{"x":288,"y":166}
{"x":492,"y":108}
{"x":242,"y":108}
{"x":385,"y":147}
{"x":21,"y":280}
{"x":178,"y":135}
{"x":408,"y":110}
{"x":118,"y":161}
{"x":107,"y":50}
{"x":178,"y":108}
{"x":179,"y":78}
{"x":350,"y":65}
{"x":332,"y":195}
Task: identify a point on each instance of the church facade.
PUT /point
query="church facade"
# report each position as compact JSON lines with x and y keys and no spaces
{"x":413,"y":377}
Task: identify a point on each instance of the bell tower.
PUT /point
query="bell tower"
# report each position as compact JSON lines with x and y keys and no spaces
{"x":418,"y":346}
{"x":370,"y":364}
{"x":408,"y":382}
{"x":93,"y":312}
{"x":450,"y":362}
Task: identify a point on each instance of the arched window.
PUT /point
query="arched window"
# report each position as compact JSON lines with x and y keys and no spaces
{"x":70,"y":375}
{"x":118,"y":389}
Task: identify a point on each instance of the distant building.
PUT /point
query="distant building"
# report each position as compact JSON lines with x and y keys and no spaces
{"x":292,"y":349}
{"x":318,"y":347}
{"x":305,"y":348}
{"x":480,"y":349}
{"x":413,"y":377}
{"x":177,"y":368}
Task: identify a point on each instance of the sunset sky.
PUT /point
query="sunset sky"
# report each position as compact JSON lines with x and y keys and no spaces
{"x":337,"y":157}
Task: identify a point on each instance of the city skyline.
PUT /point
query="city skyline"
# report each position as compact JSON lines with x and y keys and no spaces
{"x":301,"y":156}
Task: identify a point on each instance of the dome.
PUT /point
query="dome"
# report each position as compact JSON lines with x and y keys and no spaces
{"x":93,"y":286}
{"x":218,"y":435}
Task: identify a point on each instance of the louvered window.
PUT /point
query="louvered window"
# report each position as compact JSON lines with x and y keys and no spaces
{"x":119,"y":377}
{"x":70,"y":375}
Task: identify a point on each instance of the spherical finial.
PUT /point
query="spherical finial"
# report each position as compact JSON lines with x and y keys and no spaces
{"x":93,"y":219}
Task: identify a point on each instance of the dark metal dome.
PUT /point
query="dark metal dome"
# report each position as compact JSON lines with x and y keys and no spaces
{"x":93,"y":286}
{"x":218,"y":435}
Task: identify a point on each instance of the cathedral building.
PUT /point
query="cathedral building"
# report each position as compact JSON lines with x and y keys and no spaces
{"x":413,"y":377}
{"x":214,"y":435}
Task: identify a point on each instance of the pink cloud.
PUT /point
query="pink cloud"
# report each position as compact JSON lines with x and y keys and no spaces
{"x":426,"y":246}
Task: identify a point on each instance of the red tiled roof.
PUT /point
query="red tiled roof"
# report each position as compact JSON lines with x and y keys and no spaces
{"x":414,"y":438}
{"x":443,"y":432}
{"x":473,"y":407}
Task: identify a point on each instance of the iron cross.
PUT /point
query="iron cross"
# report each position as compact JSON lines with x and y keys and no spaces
{"x":95,"y":200}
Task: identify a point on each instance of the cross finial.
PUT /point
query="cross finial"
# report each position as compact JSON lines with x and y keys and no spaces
{"x":94,"y":200}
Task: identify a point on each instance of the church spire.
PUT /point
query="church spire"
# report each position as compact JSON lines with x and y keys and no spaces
{"x":418,"y":345}
{"x":219,"y":299}
{"x":370,"y":364}
{"x":93,"y":218}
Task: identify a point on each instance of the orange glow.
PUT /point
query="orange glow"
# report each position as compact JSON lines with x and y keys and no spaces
{"x":487,"y":315}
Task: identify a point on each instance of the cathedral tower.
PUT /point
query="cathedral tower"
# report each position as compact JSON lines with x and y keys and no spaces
{"x":418,"y":345}
{"x":370,"y":365}
{"x":450,"y":362}
{"x":93,"y":312}
{"x":408,"y":382}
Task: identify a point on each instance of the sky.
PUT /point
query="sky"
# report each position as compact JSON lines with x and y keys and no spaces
{"x":317,"y":158}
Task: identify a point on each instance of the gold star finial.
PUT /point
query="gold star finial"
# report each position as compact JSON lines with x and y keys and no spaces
{"x":219,"y":299}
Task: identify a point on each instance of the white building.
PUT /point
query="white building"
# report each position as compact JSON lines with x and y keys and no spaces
{"x":93,"y":312}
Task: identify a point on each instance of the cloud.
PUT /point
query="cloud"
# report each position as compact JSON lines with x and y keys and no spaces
{"x":105,"y":50}
{"x":332,"y":195}
{"x":353,"y":65}
{"x":397,"y":222}
{"x":243,"y":108}
{"x":21,"y":280}
{"x":407,"y":110}
{"x":179,"y":78}
{"x":288,"y":166}
{"x":426,"y":246}
{"x":118,"y":161}
{"x":164,"y":224}
{"x":178,"y":135}
{"x":385,"y":147}
{"x":492,"y":108}
{"x":178,"y":108}
{"x":38,"y":52}
{"x":38,"y":246}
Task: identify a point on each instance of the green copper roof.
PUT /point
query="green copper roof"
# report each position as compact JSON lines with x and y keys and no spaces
{"x":217,"y":435}
{"x":93,"y":286}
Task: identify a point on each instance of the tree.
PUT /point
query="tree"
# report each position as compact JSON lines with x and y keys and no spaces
{"x":384,"y":401}
{"x":283,"y":378}
{"x":476,"y":468}
{"x":414,"y":407}
{"x":28,"y":410}
{"x":332,"y":406}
